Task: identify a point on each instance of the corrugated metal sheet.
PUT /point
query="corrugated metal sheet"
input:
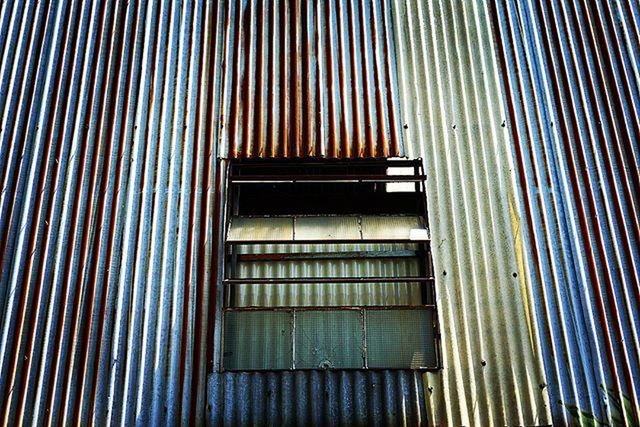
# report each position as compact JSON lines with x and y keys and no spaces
{"x":330,"y":294}
{"x":354,"y":398}
{"x":111,"y":113}
{"x":305,"y":78}
{"x":101,"y":150}
{"x":451,"y":102}
{"x":571,"y":79}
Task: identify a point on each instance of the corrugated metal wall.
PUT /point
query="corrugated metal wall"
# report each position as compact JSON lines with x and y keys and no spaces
{"x":305,"y":78}
{"x":101,"y":150}
{"x":451,"y":101}
{"x":571,"y":81}
{"x":112,"y":112}
{"x":286,"y":295}
{"x":352,"y":398}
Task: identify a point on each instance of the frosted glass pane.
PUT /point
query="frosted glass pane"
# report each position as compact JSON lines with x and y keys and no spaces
{"x":329,"y":339}
{"x":400,"y":339}
{"x":257,"y":340}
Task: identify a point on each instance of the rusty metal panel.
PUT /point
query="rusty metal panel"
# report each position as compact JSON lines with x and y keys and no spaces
{"x":307,"y":79}
{"x":111,"y":115}
{"x":571,"y":83}
{"x":102,"y":148}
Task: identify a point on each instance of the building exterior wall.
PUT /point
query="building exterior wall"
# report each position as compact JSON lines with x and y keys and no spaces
{"x":101,"y":155}
{"x":113,"y":114}
{"x":451,"y":115}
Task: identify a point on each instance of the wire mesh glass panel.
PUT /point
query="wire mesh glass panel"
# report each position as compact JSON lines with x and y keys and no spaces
{"x":400,"y":339}
{"x":329,"y":339}
{"x":257,"y":340}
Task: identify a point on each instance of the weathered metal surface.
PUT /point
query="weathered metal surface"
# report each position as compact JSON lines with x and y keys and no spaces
{"x":571,"y":82}
{"x":327,"y":228}
{"x":101,"y":149}
{"x":111,"y":113}
{"x":347,"y":337}
{"x":355,"y":398}
{"x":452,"y":105}
{"x":307,"y":78}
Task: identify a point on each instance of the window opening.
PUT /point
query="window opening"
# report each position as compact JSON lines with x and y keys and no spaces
{"x":328,"y":266}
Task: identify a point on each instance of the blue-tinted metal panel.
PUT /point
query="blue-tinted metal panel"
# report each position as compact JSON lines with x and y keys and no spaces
{"x":102,"y":148}
{"x":353,"y":398}
{"x":571,"y":85}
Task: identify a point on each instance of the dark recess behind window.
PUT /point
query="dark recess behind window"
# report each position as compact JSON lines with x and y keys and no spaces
{"x":321,"y":198}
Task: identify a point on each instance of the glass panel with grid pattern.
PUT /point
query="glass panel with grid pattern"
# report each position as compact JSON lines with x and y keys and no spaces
{"x":257,"y":340}
{"x":329,"y":339}
{"x":400,"y":339}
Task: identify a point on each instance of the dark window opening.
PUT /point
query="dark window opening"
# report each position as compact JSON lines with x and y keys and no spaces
{"x":328,"y":266}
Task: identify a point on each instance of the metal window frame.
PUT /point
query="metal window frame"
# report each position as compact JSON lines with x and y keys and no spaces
{"x":423,"y":254}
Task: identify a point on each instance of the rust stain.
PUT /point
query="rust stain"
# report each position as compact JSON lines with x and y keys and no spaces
{"x":332,"y":60}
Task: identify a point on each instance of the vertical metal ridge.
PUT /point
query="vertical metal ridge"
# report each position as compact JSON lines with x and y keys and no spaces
{"x":573,"y":99}
{"x":451,"y":107}
{"x":83,"y":222}
{"x":331,"y":151}
{"x":22,"y":214}
{"x":81,"y":123}
{"x":369,"y":146}
{"x":298,"y":398}
{"x":381,"y":122}
{"x":310,"y":42}
{"x":97,"y":252}
{"x":13,"y":120}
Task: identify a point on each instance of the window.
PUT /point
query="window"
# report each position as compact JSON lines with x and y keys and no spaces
{"x":328,"y":266}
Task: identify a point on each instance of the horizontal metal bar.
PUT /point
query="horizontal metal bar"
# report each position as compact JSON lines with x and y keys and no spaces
{"x":247,"y":179}
{"x":425,"y":369}
{"x":326,"y":255}
{"x":321,"y":280}
{"x":332,"y":215}
{"x":325,"y":241}
{"x":324,"y":163}
{"x":429,"y":307}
